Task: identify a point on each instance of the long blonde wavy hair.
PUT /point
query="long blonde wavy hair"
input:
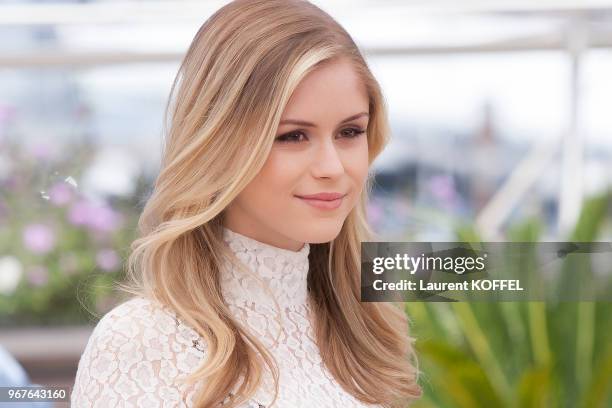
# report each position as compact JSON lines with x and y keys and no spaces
{"x":225,"y":104}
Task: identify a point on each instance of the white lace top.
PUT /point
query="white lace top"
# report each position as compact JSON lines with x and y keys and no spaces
{"x":139,"y":351}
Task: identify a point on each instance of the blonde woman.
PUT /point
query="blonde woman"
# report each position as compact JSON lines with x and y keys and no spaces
{"x":245,"y":280}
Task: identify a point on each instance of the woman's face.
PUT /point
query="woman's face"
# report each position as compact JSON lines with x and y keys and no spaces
{"x":321,"y":147}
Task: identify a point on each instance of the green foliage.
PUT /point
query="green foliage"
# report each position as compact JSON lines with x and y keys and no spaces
{"x":69,"y":282}
{"x":518,"y":354}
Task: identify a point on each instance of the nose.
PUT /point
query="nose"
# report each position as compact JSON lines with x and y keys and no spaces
{"x":327,"y":161}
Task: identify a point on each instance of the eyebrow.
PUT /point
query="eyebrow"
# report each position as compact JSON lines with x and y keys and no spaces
{"x":304,"y":123}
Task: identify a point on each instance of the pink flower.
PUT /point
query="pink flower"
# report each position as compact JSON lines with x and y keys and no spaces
{"x":105,"y":219}
{"x":7,"y":113}
{"x":97,"y":217}
{"x":38,"y":275}
{"x":443,"y":187}
{"x":42,"y":150}
{"x":60,"y":194}
{"x":79,"y":213}
{"x":107,"y":259}
{"x":13,"y":182}
{"x":38,"y":238}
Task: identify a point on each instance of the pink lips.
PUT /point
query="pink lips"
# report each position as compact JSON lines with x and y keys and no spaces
{"x":327,"y":201}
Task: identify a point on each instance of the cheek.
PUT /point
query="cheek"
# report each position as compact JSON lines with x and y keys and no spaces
{"x":273,"y":185}
{"x":357,"y":163}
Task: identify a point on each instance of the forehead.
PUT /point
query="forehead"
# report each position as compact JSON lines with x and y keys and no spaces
{"x":331,"y":90}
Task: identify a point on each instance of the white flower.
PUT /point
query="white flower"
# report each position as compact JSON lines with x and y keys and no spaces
{"x":10,"y":274}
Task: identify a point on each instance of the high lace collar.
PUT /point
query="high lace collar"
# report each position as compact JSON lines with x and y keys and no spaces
{"x":284,"y":272}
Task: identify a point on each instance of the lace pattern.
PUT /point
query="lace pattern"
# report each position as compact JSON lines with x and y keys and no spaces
{"x":139,"y":352}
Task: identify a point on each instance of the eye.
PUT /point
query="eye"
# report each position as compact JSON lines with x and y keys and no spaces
{"x":352,"y":132}
{"x":294,"y":137}
{"x":291,"y":137}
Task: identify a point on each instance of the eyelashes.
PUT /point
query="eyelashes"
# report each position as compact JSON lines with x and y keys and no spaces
{"x":294,"y":136}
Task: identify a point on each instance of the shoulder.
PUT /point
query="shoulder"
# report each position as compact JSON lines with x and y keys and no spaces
{"x":147,"y":324}
{"x":135,"y":317}
{"x":135,"y":355}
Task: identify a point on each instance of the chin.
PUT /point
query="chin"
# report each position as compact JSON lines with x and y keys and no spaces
{"x":318,"y":233}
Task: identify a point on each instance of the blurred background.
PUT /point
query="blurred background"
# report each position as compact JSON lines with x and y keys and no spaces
{"x":502,"y":131}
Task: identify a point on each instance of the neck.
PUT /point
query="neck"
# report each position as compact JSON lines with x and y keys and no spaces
{"x":270,"y":273}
